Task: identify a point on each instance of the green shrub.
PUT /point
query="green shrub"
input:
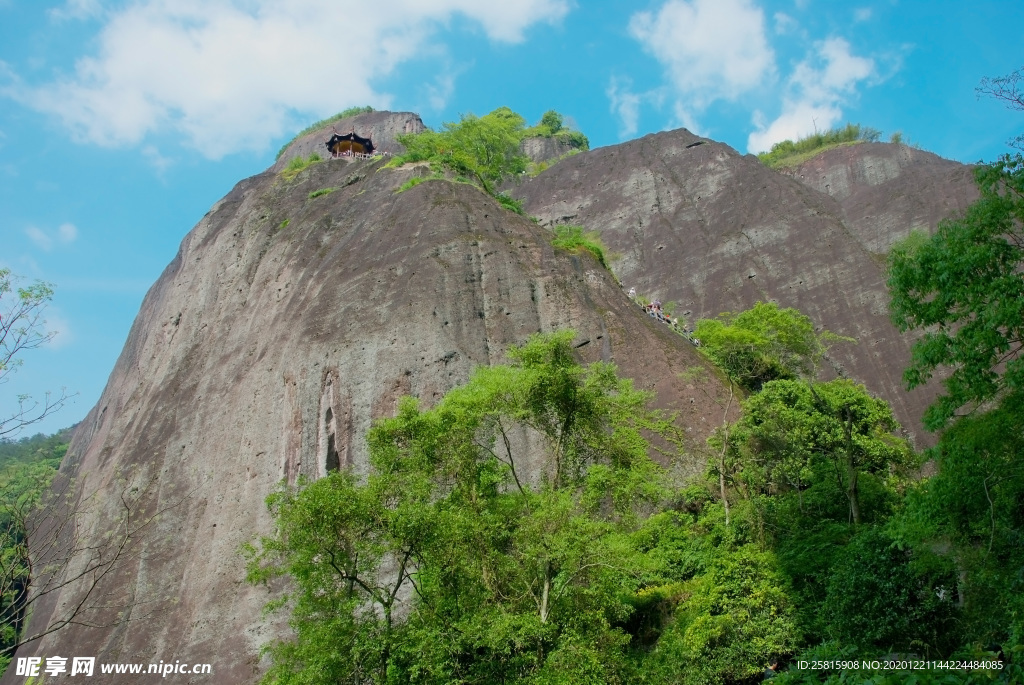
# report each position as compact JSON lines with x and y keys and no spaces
{"x":734,"y":617}
{"x":787,"y":153}
{"x":350,"y":112}
{"x":875,"y":600}
{"x":510,"y":203}
{"x":573,"y":239}
{"x":551,"y":125}
{"x":577,"y":139}
{"x":297,"y":164}
{"x":322,"y":191}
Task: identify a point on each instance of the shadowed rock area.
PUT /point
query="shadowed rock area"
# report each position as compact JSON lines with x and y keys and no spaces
{"x":695,"y":222}
{"x":283,"y":327}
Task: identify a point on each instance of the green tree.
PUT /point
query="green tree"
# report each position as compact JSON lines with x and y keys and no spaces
{"x":753,"y":347}
{"x":963,"y":288}
{"x":789,"y":425}
{"x":762,"y":344}
{"x":450,"y":564}
{"x":23,"y":328}
{"x":482,"y":148}
{"x":553,"y":121}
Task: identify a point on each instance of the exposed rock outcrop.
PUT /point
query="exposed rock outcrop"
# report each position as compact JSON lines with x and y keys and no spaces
{"x":886,"y":191}
{"x":288,"y":322}
{"x":698,"y":223}
{"x":540,"y":149}
{"x":283,"y":327}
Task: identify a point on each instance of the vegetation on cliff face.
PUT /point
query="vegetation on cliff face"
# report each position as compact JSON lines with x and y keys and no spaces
{"x":573,"y":239}
{"x":484,"y":150}
{"x":298,"y":164}
{"x":552,"y":125}
{"x":447,"y":565}
{"x":481,"y":149}
{"x":788,"y":153}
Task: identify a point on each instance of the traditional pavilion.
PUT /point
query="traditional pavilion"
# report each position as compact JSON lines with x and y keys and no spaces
{"x":344,"y":145}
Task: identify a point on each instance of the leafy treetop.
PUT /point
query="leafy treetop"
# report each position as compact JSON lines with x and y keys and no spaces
{"x":964,"y":289}
{"x":763,"y":343}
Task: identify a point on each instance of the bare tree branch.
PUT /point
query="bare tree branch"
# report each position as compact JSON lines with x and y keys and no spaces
{"x":55,"y":552}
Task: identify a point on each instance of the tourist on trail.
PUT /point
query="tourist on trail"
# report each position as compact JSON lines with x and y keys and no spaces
{"x":632,"y":293}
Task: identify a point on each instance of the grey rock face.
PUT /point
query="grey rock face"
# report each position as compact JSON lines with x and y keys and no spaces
{"x":286,"y":324}
{"x":543,"y":149}
{"x":886,"y":191}
{"x":696,"y":222}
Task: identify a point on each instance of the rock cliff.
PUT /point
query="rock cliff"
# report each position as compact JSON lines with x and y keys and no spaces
{"x":283,"y":327}
{"x":290,"y":319}
{"x":694,"y":221}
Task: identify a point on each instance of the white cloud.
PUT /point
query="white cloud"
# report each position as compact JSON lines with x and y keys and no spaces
{"x":815,"y":95}
{"x":688,"y":120}
{"x":625,"y":104}
{"x":862,"y":14}
{"x":39,"y":237}
{"x":60,"y":327}
{"x":441,"y":89}
{"x":784,"y":23}
{"x":711,"y":49}
{"x":77,"y":9}
{"x":157,"y":160}
{"x":231,"y":74}
{"x":65,"y":235}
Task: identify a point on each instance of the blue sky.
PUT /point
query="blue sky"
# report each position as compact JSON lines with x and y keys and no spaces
{"x":122,"y":122}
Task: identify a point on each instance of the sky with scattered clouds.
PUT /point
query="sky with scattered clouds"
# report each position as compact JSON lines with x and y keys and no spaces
{"x":122,"y":121}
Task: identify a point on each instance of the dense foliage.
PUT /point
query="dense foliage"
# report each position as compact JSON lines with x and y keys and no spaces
{"x":26,"y":469}
{"x":448,"y":564}
{"x":964,"y":289}
{"x":484,"y":150}
{"x":788,"y":153}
